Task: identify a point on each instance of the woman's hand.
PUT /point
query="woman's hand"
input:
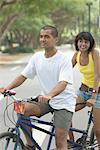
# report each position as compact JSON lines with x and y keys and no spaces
{"x":90,"y":102}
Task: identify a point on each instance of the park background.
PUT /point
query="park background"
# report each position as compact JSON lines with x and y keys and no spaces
{"x":21,"y":20}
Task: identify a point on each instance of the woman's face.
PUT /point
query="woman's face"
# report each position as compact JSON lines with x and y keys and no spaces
{"x":83,"y":45}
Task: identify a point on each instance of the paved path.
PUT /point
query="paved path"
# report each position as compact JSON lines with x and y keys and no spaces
{"x":6,"y":59}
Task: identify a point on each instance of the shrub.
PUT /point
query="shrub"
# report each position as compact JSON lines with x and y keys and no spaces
{"x":18,"y":50}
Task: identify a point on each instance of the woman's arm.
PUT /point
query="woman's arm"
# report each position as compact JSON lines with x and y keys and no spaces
{"x":96,"y":59}
{"x":74,"y":59}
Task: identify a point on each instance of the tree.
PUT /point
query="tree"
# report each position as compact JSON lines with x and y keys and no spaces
{"x":24,"y":18}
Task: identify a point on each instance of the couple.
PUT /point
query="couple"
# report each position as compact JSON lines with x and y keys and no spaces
{"x":55,"y":74}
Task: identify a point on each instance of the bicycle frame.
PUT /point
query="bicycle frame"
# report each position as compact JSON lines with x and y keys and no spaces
{"x":23,"y":121}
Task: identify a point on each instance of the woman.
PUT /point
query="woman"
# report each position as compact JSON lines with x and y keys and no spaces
{"x":88,"y":60}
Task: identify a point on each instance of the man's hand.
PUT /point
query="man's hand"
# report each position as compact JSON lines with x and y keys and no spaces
{"x":2,"y":90}
{"x":90,"y":102}
{"x":44,"y":99}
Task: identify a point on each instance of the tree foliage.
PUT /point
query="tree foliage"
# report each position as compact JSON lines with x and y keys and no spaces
{"x":21,"y":20}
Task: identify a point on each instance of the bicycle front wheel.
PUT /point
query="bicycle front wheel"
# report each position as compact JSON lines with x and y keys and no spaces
{"x":9,"y":140}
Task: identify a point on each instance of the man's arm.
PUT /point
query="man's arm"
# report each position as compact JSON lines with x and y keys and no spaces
{"x":60,"y":87}
{"x":17,"y":82}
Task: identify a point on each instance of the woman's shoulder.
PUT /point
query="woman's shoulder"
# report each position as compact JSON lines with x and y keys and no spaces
{"x":95,"y":53}
{"x":74,"y":58}
{"x":75,"y":55}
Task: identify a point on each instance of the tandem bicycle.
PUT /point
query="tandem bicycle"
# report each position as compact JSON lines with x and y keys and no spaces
{"x":12,"y":138}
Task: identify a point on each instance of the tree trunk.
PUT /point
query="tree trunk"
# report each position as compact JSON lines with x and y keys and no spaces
{"x":7,"y":2}
{"x":7,"y":25}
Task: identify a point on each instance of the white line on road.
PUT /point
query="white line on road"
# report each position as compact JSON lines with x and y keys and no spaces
{"x":15,"y":68}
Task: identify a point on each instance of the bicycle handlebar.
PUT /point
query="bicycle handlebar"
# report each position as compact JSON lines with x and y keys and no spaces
{"x":19,"y":105}
{"x":31,"y":99}
{"x":12,"y":93}
{"x":83,"y":103}
{"x":7,"y":93}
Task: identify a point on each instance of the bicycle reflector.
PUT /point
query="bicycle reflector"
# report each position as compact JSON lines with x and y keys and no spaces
{"x":19,"y":107}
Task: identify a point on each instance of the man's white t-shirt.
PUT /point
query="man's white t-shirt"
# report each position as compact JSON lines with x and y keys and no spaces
{"x":49,"y":72}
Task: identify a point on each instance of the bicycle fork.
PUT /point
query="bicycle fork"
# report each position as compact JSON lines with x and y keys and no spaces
{"x":16,"y":140}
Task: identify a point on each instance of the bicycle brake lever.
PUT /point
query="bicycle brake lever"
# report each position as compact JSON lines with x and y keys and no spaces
{"x":32,"y":99}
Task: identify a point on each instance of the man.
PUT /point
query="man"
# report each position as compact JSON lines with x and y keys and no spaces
{"x":54,"y":72}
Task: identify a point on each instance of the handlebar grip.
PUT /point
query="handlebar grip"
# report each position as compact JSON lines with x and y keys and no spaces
{"x":6,"y":93}
{"x":9,"y":92}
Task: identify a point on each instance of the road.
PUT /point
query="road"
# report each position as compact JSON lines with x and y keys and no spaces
{"x":29,"y":88}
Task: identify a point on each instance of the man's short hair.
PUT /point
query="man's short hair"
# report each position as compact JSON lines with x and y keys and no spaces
{"x":53,"y":29}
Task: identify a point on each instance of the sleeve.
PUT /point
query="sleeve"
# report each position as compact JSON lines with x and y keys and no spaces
{"x":30,"y":70}
{"x":66,"y":71}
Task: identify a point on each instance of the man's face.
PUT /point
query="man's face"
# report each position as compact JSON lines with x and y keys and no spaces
{"x":47,"y":41}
